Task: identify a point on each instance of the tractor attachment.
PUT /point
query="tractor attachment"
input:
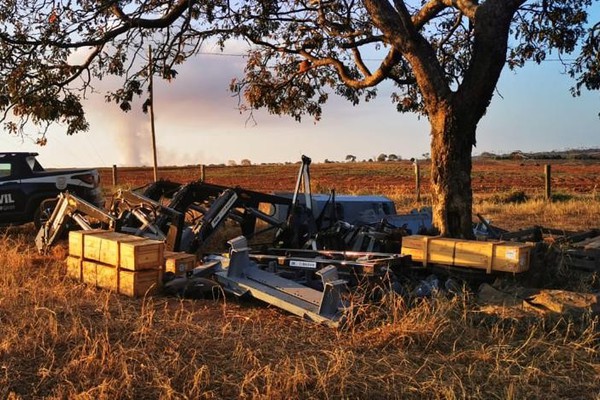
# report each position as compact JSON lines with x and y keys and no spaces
{"x":244,"y":277}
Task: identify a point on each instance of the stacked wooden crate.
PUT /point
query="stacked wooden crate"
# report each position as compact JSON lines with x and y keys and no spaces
{"x":489,"y":256}
{"x":123,"y":263}
{"x":179,"y":263}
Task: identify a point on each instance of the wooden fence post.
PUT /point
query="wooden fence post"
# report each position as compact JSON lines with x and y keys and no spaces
{"x":114,"y":175}
{"x":202,"y":172}
{"x":548,"y":177}
{"x":417,"y":179}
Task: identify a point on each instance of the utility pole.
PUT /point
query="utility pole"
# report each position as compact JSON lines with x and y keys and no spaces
{"x":151,"y":103}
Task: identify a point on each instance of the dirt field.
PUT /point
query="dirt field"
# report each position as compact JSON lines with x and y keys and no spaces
{"x":494,"y":182}
{"x":60,"y":339}
{"x":388,"y":178}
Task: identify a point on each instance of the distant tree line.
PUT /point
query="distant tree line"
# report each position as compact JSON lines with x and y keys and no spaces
{"x":380,"y":158}
{"x":572,"y":154}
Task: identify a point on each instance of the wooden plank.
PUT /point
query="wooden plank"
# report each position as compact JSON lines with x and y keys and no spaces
{"x":97,"y":248}
{"x":592,"y":244}
{"x":472,"y":254}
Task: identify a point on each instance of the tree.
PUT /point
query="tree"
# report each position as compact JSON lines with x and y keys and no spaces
{"x":382,"y":157}
{"x":350,"y":158}
{"x":246,"y":162}
{"x":444,"y":56}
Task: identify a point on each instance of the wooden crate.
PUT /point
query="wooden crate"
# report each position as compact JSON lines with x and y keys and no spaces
{"x":140,"y":283}
{"x":179,"y":263}
{"x":122,"y":281}
{"x":104,"y":246}
{"x":88,"y":273}
{"x":141,"y":255}
{"x":76,"y":240}
{"x":74,"y":267}
{"x":489,"y":256}
{"x":117,"y":249}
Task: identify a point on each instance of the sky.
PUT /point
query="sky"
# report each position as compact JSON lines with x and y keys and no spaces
{"x":197,"y":122}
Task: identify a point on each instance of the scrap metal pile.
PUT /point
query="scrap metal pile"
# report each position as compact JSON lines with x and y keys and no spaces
{"x":318,"y":246}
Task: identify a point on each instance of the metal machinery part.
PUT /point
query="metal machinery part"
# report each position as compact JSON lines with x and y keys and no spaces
{"x":244,"y":277}
{"x":136,"y":214}
{"x":70,"y":208}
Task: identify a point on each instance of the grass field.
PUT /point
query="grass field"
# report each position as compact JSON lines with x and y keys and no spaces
{"x":61,"y":339}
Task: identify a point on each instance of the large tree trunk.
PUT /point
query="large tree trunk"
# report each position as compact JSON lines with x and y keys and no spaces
{"x":451,"y":144}
{"x":453,"y":114}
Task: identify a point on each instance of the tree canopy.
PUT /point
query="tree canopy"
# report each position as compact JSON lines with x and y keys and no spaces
{"x":51,"y":51}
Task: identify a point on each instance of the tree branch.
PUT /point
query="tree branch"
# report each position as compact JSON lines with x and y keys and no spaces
{"x":428,"y":12}
{"x":128,"y":23}
{"x":370,"y":80}
{"x":400,"y":31}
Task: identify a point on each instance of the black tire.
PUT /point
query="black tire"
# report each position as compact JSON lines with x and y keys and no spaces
{"x":43,"y":212}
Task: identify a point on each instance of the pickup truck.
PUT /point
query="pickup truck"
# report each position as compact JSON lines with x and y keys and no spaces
{"x":27,"y":190}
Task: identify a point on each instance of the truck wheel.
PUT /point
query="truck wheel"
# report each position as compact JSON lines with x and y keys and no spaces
{"x":43,"y":212}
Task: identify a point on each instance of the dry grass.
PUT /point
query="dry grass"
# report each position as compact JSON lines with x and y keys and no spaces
{"x":62,"y":339}
{"x":577,"y":214}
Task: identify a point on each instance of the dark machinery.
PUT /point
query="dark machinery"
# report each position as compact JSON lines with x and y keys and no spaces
{"x":190,"y":217}
{"x":186,"y":216}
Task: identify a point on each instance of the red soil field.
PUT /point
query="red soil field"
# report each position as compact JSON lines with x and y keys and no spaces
{"x":386,"y":178}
